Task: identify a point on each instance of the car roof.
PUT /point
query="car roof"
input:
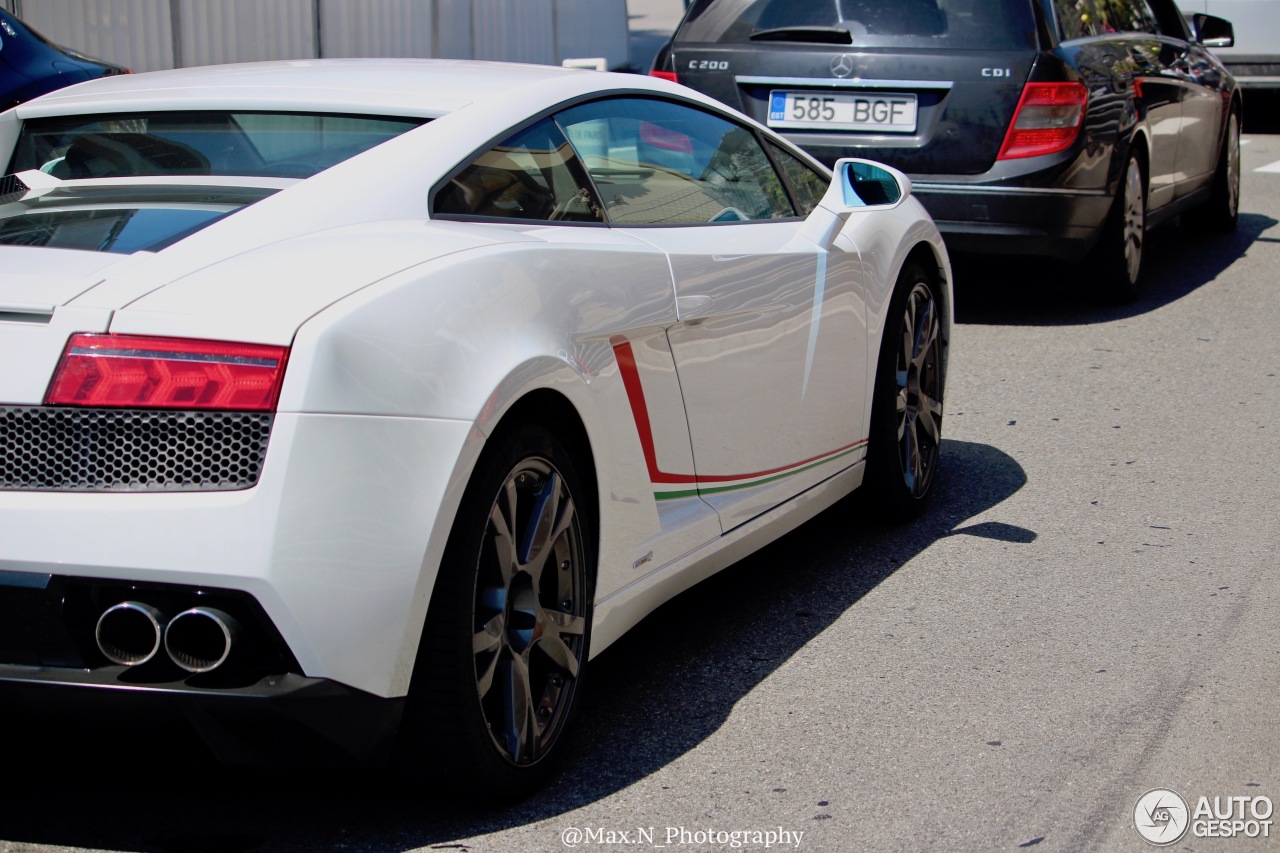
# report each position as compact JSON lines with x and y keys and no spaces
{"x":425,"y":88}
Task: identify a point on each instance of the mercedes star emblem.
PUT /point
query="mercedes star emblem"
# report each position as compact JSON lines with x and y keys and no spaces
{"x":842,"y":66}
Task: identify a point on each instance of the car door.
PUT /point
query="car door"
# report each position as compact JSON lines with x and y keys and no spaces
{"x":1203,"y":85}
{"x":770,"y":343}
{"x":1116,"y":47}
{"x":532,"y":183}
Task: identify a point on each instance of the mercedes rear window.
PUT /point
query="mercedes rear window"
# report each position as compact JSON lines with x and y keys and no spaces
{"x":936,"y":24}
{"x":260,"y":144}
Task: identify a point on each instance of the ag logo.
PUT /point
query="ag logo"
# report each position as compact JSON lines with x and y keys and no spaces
{"x":1161,"y":817}
{"x":842,"y":66}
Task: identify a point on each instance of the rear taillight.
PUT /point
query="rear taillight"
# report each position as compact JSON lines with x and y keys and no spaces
{"x":1047,"y":120}
{"x":128,"y":371}
{"x":664,"y":64}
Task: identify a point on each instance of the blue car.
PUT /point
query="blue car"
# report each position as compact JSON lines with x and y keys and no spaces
{"x":30,"y":65}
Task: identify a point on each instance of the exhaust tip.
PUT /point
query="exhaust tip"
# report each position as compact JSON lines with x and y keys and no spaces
{"x":200,"y":639}
{"x":129,"y":633}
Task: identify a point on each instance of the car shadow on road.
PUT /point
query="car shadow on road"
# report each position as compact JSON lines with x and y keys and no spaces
{"x":663,"y":689}
{"x":1036,"y":292}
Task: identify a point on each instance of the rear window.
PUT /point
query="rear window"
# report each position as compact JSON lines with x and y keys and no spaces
{"x":119,"y":231}
{"x":282,"y":145}
{"x":953,"y":24}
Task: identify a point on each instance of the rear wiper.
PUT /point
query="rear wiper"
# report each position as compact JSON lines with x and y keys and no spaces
{"x":817,"y":35}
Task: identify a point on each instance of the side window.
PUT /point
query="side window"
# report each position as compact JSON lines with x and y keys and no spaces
{"x":1136,"y":16}
{"x":807,"y":185}
{"x":532,"y":175}
{"x":1083,"y":18}
{"x":658,"y":163}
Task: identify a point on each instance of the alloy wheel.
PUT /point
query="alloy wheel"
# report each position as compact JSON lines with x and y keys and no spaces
{"x":1135,"y":212}
{"x":919,"y":390}
{"x":529,"y":612}
{"x":1233,"y":165}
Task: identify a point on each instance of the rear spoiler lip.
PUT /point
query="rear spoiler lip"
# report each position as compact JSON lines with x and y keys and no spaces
{"x":30,"y":186}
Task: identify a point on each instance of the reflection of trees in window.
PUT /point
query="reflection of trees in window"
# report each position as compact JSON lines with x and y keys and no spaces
{"x":527,"y":177}
{"x":807,"y":184}
{"x":1083,"y":18}
{"x":655,"y":162}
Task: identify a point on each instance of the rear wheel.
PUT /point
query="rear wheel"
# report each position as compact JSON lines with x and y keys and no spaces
{"x":1222,"y":211}
{"x":505,"y":645}
{"x":1117,"y":259}
{"x":906,"y":412}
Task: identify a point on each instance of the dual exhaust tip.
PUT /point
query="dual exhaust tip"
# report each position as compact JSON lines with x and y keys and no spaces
{"x":132,"y":633}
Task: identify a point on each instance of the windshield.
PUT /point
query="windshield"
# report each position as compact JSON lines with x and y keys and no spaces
{"x":951,"y":24}
{"x":281,"y":145}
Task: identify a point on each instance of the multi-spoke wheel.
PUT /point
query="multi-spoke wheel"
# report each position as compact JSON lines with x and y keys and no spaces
{"x":906,"y":415}
{"x":1222,"y":211}
{"x":1118,"y":255}
{"x":529,"y":611}
{"x":505,"y":645}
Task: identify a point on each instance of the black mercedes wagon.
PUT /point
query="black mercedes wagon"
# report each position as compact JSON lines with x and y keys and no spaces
{"x":1064,"y":128}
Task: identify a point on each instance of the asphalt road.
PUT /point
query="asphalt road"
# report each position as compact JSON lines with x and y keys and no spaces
{"x":1089,"y":611}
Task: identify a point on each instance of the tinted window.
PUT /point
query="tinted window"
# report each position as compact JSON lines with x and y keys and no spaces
{"x":655,"y":162}
{"x":958,"y":24}
{"x":121,"y":231}
{"x":807,"y":186}
{"x":283,"y":145}
{"x":1084,"y":18}
{"x":532,"y":175}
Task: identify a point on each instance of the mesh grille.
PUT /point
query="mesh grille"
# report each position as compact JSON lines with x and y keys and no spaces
{"x":11,"y":189}
{"x":126,"y":450}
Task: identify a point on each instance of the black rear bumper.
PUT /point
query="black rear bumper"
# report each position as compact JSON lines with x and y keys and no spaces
{"x":280,"y":720}
{"x":1016,"y":221}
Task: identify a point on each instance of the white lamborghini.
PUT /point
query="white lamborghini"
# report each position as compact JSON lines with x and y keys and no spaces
{"x":351,"y":406}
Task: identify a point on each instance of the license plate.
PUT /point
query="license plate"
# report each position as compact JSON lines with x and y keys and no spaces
{"x":885,"y":112}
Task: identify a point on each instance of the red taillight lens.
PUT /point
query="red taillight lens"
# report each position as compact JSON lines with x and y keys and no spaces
{"x":128,"y":371}
{"x":664,"y":75}
{"x":1047,"y":120}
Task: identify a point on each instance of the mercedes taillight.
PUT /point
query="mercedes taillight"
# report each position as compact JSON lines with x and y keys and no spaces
{"x":1048,"y":120}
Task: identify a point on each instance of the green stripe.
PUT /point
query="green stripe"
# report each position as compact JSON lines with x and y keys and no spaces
{"x":669,"y":496}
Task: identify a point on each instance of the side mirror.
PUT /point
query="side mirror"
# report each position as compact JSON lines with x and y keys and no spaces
{"x":1212,"y":31}
{"x":864,"y":183}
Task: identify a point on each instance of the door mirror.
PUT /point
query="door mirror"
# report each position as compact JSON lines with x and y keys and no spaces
{"x":863,"y":183}
{"x":1212,"y":31}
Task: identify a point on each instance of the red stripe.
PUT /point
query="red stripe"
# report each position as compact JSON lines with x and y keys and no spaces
{"x":725,"y":478}
{"x":640,"y":412}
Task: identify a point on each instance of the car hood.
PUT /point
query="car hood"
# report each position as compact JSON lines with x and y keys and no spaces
{"x":37,"y":280}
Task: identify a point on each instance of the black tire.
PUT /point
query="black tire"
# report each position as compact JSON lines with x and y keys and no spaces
{"x":1221,"y":213}
{"x":906,"y":410}
{"x":1117,"y":258}
{"x":504,"y":649}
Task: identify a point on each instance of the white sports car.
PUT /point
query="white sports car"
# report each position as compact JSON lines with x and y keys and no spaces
{"x":350,"y":406}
